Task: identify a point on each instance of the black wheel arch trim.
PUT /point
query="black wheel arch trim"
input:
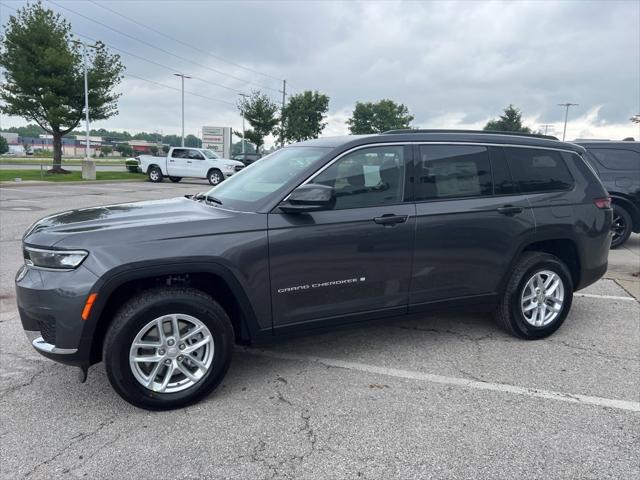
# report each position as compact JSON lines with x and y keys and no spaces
{"x":113,"y":279}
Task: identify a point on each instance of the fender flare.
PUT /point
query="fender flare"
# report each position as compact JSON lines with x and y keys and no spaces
{"x":113,"y":279}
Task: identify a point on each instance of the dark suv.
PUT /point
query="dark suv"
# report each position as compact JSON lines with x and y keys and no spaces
{"x":618,"y":165}
{"x":317,"y":234}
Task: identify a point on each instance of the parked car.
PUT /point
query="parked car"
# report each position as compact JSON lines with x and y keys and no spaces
{"x":188,"y":162}
{"x":247,"y":158}
{"x":133,"y":165}
{"x":618,"y":165}
{"x":320,"y":233}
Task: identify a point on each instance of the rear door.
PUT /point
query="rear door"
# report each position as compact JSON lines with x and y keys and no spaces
{"x":177,"y":165}
{"x":354,"y":258}
{"x":470,"y":222}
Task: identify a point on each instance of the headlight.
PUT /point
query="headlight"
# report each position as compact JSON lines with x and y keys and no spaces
{"x":55,"y":259}
{"x":229,"y":167}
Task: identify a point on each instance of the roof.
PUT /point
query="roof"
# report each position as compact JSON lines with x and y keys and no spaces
{"x":614,"y":144}
{"x":463,"y":136}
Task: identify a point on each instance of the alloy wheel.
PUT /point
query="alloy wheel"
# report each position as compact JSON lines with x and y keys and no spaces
{"x":542,"y":298}
{"x":171,"y":353}
{"x":619,"y":226}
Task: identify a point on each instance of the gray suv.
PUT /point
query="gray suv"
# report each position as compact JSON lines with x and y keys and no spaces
{"x":317,"y":234}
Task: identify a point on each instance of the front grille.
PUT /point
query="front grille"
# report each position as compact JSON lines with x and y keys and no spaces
{"x":48,"y":330}
{"x":239,"y":167}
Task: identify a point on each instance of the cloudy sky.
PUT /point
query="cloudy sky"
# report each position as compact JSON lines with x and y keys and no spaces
{"x":454,"y":64}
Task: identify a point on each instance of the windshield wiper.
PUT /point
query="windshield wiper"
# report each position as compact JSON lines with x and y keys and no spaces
{"x":207,"y":198}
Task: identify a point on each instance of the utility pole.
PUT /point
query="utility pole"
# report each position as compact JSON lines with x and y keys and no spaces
{"x":243,"y":95}
{"x":284,"y":96}
{"x":566,"y":116}
{"x":546,"y":127}
{"x":88,"y":167}
{"x":182,"y":77}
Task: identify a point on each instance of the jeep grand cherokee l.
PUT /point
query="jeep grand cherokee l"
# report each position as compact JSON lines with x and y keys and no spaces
{"x":317,"y":234}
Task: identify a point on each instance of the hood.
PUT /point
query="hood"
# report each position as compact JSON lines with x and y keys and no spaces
{"x":228,"y":161}
{"x":116,"y":222}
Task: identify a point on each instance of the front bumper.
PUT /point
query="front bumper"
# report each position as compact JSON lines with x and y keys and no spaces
{"x":50,"y":305}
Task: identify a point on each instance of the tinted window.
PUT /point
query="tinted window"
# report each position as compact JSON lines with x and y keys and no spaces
{"x":537,"y":170}
{"x":617,"y":159}
{"x":180,"y":153}
{"x":453,"y":171}
{"x":195,"y":155}
{"x":367,"y":177}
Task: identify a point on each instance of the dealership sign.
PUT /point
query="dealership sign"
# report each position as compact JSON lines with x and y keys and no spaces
{"x":217,"y":139}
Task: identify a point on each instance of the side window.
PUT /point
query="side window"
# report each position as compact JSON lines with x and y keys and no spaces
{"x":179,"y":153}
{"x":538,"y":170}
{"x":617,"y":159}
{"x":453,"y":171}
{"x":366,"y":178}
{"x":195,"y":155}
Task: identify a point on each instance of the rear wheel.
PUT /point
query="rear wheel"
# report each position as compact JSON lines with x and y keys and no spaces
{"x":155,"y":175}
{"x":537,"y":298}
{"x":168,"y":348}
{"x":215,"y":176}
{"x":175,"y":179}
{"x":621,"y":226}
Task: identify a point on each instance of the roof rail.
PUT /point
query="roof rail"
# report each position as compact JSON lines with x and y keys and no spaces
{"x":488,"y":132}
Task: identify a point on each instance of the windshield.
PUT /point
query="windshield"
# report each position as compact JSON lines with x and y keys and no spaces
{"x":249,"y":189}
{"x":209,"y":154}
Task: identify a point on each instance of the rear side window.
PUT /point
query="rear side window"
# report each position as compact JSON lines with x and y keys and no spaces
{"x":617,"y":159}
{"x":453,"y":171}
{"x":538,"y":170}
{"x":179,"y":153}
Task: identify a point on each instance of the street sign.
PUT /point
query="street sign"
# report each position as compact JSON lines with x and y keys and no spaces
{"x":217,"y":139}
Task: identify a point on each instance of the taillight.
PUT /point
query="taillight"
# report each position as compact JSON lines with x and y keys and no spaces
{"x":603,"y":202}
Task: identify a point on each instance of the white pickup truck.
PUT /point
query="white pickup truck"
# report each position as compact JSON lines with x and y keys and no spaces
{"x":183,"y":162}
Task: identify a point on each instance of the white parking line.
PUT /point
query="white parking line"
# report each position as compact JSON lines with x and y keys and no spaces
{"x":606,"y":297}
{"x":458,"y":382}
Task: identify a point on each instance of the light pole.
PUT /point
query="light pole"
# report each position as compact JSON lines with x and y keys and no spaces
{"x":566,"y":115}
{"x":88,"y":170}
{"x":182,"y":77}
{"x":243,"y":95}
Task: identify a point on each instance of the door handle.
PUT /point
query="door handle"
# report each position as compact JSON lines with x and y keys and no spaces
{"x":188,"y":161}
{"x":510,"y":210}
{"x":172,"y":160}
{"x":390,"y":219}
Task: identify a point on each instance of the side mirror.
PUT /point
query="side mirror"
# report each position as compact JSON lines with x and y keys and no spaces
{"x":309,"y":198}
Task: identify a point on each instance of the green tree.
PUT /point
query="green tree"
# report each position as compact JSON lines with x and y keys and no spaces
{"x":4,"y":146}
{"x":44,"y":79}
{"x":509,"y":121}
{"x":31,"y":130}
{"x":124,"y":149}
{"x":192,"y":141}
{"x":154,"y":150}
{"x":303,"y":115}
{"x":260,"y":112}
{"x":165,"y":149}
{"x":379,"y":117}
{"x":105,"y":150}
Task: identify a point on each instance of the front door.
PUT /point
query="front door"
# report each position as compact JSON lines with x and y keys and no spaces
{"x":354,"y":258}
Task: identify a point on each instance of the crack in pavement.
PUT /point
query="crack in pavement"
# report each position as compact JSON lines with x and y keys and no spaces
{"x":76,"y":439}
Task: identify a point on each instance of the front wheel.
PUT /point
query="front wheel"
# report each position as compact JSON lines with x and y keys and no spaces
{"x":215,"y":177}
{"x":155,"y":175}
{"x":537,"y":297}
{"x":167,"y":348}
{"x":621,"y":226}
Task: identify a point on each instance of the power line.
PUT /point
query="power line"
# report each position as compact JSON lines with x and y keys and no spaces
{"x":167,"y":67}
{"x":159,"y":32}
{"x":167,"y":52}
{"x":130,"y":75}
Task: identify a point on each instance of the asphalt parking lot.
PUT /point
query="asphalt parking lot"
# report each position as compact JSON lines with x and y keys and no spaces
{"x":441,"y":396}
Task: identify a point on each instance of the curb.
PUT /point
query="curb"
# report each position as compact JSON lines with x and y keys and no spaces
{"x":31,"y":183}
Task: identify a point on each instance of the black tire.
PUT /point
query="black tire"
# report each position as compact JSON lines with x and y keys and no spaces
{"x":175,"y":179}
{"x":141,"y":310}
{"x":621,"y":227}
{"x":509,"y":315}
{"x":215,"y":176}
{"x":155,"y":175}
